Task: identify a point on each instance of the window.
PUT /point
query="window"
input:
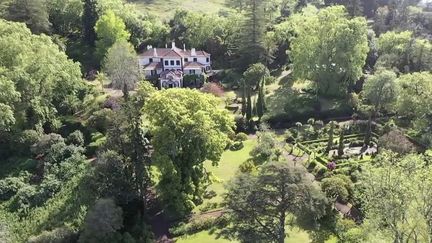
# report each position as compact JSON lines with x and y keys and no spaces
{"x":172,"y":62}
{"x":191,"y":71}
{"x":195,"y":59}
{"x":166,"y":63}
{"x":208,"y":60}
{"x":186,"y":60}
{"x":150,"y":59}
{"x":178,"y":63}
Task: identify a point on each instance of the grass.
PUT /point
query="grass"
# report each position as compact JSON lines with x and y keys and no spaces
{"x":226,"y":169}
{"x":295,"y":235}
{"x":165,"y":9}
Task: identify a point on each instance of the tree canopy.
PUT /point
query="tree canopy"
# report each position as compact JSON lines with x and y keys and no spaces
{"x":188,"y":128}
{"x":329,"y":48}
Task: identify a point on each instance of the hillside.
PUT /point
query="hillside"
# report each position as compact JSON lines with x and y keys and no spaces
{"x":166,"y":8}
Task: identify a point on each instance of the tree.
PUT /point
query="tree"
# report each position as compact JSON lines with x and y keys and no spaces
{"x":89,"y":19}
{"x":414,"y":101}
{"x":392,"y":208}
{"x":31,"y":12}
{"x":244,"y":101}
{"x":381,"y":90}
{"x":404,"y":52}
{"x":248,"y":104}
{"x":188,"y":128}
{"x":35,"y":92}
{"x":337,"y":187}
{"x":330,"y":138}
{"x":341,"y":142}
{"x":65,"y":17}
{"x":261,"y":105}
{"x":252,"y":34}
{"x":109,"y":30}
{"x":255,"y":74}
{"x":329,"y":48}
{"x":102,"y":221}
{"x":259,"y":207}
{"x":120,"y":65}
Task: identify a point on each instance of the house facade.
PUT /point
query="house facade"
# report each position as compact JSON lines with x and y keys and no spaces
{"x":171,"y":65}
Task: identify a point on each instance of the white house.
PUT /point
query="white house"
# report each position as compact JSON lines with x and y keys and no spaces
{"x":170,"y":65}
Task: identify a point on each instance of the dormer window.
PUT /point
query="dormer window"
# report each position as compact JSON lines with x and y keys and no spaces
{"x":150,"y":60}
{"x":195,"y":59}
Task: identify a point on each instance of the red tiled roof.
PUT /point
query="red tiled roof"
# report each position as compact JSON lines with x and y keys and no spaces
{"x":162,"y":52}
{"x":153,"y":66}
{"x":193,"y":65}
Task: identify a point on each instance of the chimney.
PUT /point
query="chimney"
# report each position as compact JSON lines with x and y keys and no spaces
{"x":149,"y":47}
{"x":173,"y":45}
{"x":184,"y":47}
{"x":154,"y":52}
{"x":193,"y":53}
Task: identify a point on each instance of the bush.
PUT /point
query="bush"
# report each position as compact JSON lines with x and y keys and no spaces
{"x":111,"y":103}
{"x":100,"y":120}
{"x":213,"y":88}
{"x":75,"y":138}
{"x":236,"y":146}
{"x":98,"y":140}
{"x":57,"y":235}
{"x":241,"y":136}
{"x":247,"y":167}
{"x":193,"y":227}
{"x":10,"y":186}
{"x":24,"y":199}
{"x":46,"y":142}
{"x":241,"y":124}
{"x":25,"y":140}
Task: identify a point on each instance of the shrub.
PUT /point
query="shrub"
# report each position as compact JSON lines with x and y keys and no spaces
{"x":213,"y":88}
{"x":25,"y":140}
{"x":46,"y":142}
{"x":241,"y":124}
{"x":100,"y":120}
{"x":247,"y":167}
{"x":57,"y":235}
{"x":193,"y":227}
{"x":209,"y":206}
{"x":76,"y":138}
{"x":111,"y":103}
{"x":236,"y":146}
{"x":10,"y":186}
{"x":24,"y":199}
{"x":241,"y":136}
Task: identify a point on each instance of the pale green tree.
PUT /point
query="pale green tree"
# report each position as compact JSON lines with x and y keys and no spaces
{"x":121,"y":66}
{"x":391,"y":206}
{"x":381,"y":90}
{"x":329,"y":48}
{"x":109,"y":29}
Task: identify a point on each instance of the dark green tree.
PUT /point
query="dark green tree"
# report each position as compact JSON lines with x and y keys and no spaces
{"x":244,"y":102}
{"x":260,"y":207}
{"x":330,"y":139}
{"x":89,"y":19}
{"x":368,"y":134}
{"x":33,"y":13}
{"x":341,"y":142}
{"x":261,"y":106}
{"x":248,"y":104}
{"x":251,"y":47}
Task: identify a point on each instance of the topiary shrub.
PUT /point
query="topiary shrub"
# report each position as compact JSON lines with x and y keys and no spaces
{"x":241,"y":136}
{"x":247,"y":167}
{"x":236,"y":146}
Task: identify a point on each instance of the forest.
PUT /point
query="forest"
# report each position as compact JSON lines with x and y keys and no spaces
{"x":313,"y":124}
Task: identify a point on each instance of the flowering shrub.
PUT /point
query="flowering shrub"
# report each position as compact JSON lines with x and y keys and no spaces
{"x":331,"y":165}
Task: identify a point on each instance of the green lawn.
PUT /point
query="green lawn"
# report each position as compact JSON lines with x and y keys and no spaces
{"x":295,"y":236}
{"x":226,"y":169}
{"x":165,"y":9}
